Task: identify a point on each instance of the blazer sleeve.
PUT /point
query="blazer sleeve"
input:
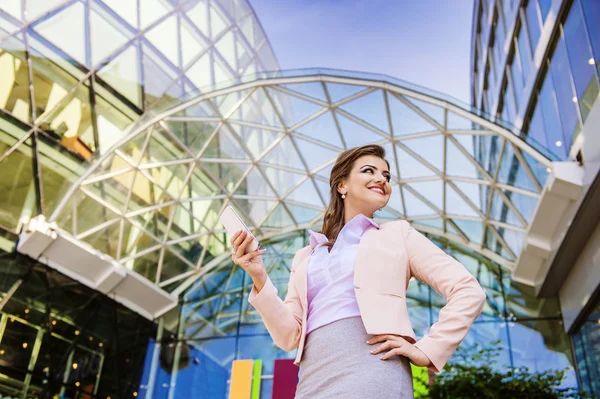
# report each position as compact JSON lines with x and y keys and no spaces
{"x":464,"y":296}
{"x":283,"y":319}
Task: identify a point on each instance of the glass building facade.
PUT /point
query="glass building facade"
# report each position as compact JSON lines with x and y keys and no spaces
{"x":131,"y":130}
{"x":535,"y":67}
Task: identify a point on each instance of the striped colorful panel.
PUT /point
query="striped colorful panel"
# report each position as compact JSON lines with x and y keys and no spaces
{"x":241,"y":379}
{"x":285,"y":379}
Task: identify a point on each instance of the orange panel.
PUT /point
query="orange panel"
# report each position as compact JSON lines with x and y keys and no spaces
{"x":241,"y":379}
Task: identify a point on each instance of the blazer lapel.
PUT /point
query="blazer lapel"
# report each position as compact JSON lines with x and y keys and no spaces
{"x":362,"y":257}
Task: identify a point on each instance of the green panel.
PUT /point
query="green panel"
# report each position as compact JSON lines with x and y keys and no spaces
{"x":256,"y":379}
{"x":420,"y":381}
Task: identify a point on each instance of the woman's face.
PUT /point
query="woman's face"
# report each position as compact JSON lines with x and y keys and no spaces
{"x":368,"y":187}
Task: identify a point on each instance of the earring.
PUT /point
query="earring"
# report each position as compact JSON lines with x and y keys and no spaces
{"x":343,"y":196}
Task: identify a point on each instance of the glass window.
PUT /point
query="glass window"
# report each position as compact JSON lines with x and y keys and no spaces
{"x":508,"y":110}
{"x":552,"y":120}
{"x":545,"y":6}
{"x":584,"y":72}
{"x":536,"y":129}
{"x":524,"y":55}
{"x":499,"y":37}
{"x":565,"y":94}
{"x":587,"y":352}
{"x":591,"y":10}
{"x":533,"y":23}
{"x":517,"y":82}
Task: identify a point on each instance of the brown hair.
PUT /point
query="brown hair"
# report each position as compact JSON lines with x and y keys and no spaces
{"x":334,"y":215}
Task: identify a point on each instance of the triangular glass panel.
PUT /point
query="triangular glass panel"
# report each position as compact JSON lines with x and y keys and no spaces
{"x":218,"y":23}
{"x":193,"y":134}
{"x":450,"y":228}
{"x":466,"y":141}
{"x":151,"y":11}
{"x":405,"y":120}
{"x":326,"y":171}
{"x":437,"y":223}
{"x":410,"y":167}
{"x":279,"y":218}
{"x":256,"y":140}
{"x":303,"y":215}
{"x":223,"y":76}
{"x":456,"y":205}
{"x":171,"y":178}
{"x":36,"y":8}
{"x":324,"y":189}
{"x":307,"y":193}
{"x":314,"y":154}
{"x":200,"y":73}
{"x":282,"y":180}
{"x":122,"y":74}
{"x":146,"y":265}
{"x":113,"y":163}
{"x":370,"y":108}
{"x":134,"y":148}
{"x":161,"y":148}
{"x":338,"y":91}
{"x":310,"y":89}
{"x":254,"y":209}
{"x":191,"y":42}
{"x":227,"y":174}
{"x":105,"y":240}
{"x":293,"y":109}
{"x":385,"y":214}
{"x":458,"y":164}
{"x":244,"y":54}
{"x":323,"y":128}
{"x":356,"y":135}
{"x":158,"y":76}
{"x":430,"y":148}
{"x":198,"y":16}
{"x":258,"y":109}
{"x":257,"y":185}
{"x":472,"y":229}
{"x":433,"y":111}
{"x":13,"y":7}
{"x":173,"y":266}
{"x":226,"y":104}
{"x":457,"y":122}
{"x":72,"y":40}
{"x":475,"y":192}
{"x":126,"y":9}
{"x":226,"y":47}
{"x":432,"y":190}
{"x":284,"y":154}
{"x":415,"y":206}
{"x":514,"y":239}
{"x":395,"y":201}
{"x":525,"y":205}
{"x":164,"y":38}
{"x":136,"y":240}
{"x":105,"y":37}
{"x":224,"y":145}
{"x":540,"y":171}
{"x":90,"y":213}
{"x":512,"y":171}
{"x":502,"y":213}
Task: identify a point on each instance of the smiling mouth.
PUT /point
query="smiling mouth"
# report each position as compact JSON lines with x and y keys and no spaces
{"x":378,"y":190}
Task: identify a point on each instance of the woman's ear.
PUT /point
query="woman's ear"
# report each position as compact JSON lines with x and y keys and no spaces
{"x":341,"y":188}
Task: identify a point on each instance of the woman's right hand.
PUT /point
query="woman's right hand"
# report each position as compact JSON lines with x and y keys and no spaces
{"x":250,"y":262}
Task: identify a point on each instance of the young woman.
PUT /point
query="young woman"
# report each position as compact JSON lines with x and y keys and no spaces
{"x":345,"y":309}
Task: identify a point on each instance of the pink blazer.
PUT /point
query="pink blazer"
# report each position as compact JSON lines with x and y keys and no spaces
{"x":386,"y":260}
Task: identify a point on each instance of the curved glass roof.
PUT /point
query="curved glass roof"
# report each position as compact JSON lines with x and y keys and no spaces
{"x":267,"y":147}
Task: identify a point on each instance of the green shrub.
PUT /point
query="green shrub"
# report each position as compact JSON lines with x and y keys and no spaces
{"x":470,"y":375}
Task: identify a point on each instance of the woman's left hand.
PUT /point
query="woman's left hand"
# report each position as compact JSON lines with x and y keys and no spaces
{"x":396,"y":345}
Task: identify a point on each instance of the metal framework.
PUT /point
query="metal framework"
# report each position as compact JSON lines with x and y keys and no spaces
{"x":266,"y":146}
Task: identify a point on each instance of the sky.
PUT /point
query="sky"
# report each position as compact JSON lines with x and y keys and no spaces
{"x":426,"y":42}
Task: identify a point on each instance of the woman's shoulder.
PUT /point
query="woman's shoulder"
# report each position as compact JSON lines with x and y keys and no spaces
{"x":399,"y":225}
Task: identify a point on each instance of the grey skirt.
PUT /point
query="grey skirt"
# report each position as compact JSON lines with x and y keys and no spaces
{"x":337,"y":363}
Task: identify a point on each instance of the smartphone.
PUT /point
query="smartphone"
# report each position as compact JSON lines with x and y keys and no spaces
{"x":233,"y":223}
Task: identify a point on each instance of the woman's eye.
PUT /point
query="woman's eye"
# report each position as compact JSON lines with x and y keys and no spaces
{"x":388,"y":178}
